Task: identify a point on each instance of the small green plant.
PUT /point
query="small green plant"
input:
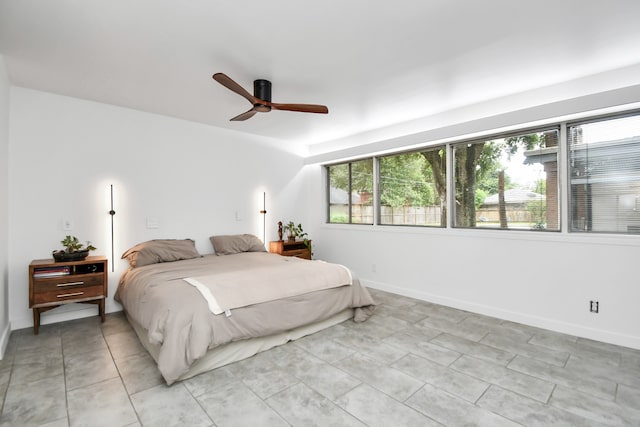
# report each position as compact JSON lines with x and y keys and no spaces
{"x":295,"y":231}
{"x":72,"y":244}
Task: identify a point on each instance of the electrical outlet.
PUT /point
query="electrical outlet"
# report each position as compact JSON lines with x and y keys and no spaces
{"x":594,"y":306}
{"x":67,"y":225}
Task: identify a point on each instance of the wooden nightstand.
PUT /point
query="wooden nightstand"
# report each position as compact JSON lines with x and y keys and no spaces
{"x":286,"y":248}
{"x":52,"y":284}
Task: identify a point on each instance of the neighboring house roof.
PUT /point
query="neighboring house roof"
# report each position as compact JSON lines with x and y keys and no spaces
{"x":515,"y":196}
{"x":341,"y":197}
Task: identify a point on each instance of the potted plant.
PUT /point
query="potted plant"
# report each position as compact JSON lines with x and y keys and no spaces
{"x":295,"y":231}
{"x":73,"y":250}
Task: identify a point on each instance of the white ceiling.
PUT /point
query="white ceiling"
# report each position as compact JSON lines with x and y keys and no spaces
{"x":373,"y":63}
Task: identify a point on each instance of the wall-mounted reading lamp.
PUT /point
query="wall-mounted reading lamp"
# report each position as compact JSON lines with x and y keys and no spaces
{"x":112,"y":213}
{"x":264,"y":217}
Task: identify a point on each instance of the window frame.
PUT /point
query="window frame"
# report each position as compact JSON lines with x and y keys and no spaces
{"x":377,"y":177}
{"x":327,"y":168}
{"x":451,"y":179}
{"x":567,"y":175}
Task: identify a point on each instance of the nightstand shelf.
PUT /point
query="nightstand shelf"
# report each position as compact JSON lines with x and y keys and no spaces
{"x":286,"y":248}
{"x":52,"y":284}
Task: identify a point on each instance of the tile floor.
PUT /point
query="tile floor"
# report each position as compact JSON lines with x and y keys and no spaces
{"x":412,"y":364}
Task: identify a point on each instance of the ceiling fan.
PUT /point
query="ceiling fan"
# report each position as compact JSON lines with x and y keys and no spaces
{"x":261,"y":98}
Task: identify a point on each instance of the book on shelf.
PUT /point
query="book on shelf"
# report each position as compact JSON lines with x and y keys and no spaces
{"x":51,"y":271}
{"x":53,"y":274}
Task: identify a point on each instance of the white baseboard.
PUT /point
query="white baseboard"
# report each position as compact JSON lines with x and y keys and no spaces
{"x":64,"y":313}
{"x":4,"y":339}
{"x":540,"y":322}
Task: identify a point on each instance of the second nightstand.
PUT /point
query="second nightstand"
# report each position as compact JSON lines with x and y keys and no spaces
{"x":286,"y":248}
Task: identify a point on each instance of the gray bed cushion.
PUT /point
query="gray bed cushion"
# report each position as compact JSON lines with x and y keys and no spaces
{"x":237,"y":243}
{"x":161,"y":250}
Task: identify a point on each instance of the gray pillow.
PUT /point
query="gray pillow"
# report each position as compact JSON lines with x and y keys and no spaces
{"x":161,"y":250}
{"x":237,"y":243}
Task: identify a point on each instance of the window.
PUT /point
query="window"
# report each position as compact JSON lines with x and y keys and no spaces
{"x":412,"y":188}
{"x":604,"y":169}
{"x":507,"y":182}
{"x":351,"y":192}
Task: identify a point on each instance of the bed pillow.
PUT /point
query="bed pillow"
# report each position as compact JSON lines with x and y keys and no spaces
{"x":234,"y":244}
{"x":161,"y":250}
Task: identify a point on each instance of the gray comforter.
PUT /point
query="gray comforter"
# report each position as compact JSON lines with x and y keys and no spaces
{"x":178,"y":319}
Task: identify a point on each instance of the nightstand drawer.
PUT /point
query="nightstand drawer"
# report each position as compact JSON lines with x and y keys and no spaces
{"x":67,"y":283}
{"x":300,"y":253}
{"x":69,"y":293}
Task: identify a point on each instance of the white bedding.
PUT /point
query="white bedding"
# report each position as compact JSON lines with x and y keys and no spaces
{"x":288,"y":277}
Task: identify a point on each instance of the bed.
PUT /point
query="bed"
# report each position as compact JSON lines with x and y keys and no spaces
{"x":194,"y":313}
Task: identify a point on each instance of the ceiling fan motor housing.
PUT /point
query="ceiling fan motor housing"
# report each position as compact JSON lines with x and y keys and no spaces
{"x":262,"y":90}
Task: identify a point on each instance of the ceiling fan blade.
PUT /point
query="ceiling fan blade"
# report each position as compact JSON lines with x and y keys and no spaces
{"x":304,"y":108}
{"x":244,"y":116}
{"x":226,"y":81}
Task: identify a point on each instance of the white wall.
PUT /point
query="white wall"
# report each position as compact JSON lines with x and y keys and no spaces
{"x":5,"y":326}
{"x":196,"y":180}
{"x":541,"y":279}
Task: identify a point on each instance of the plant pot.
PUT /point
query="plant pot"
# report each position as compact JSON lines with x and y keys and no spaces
{"x":70,"y":256}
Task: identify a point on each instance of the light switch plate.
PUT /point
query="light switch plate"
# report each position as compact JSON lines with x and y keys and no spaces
{"x":153,"y":222}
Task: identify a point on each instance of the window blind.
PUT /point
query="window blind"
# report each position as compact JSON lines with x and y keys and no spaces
{"x":604,"y":175}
